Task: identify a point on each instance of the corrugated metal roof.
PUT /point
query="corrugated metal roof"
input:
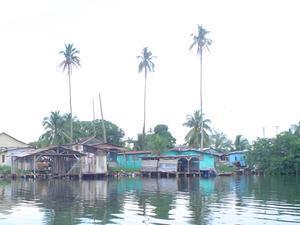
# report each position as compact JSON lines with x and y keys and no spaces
{"x":32,"y":151}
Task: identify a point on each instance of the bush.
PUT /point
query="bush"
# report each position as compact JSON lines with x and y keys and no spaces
{"x":5,"y":169}
{"x":222,"y":168}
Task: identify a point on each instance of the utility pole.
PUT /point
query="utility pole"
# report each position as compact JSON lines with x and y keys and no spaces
{"x":94,"y":125}
{"x":102,"y":118}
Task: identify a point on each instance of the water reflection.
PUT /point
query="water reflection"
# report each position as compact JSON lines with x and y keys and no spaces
{"x":223,"y":200}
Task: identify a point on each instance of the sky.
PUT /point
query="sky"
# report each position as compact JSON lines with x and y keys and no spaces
{"x":251,"y":73}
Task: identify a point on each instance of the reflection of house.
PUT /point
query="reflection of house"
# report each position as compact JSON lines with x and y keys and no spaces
{"x":9,"y":145}
{"x":237,"y":158}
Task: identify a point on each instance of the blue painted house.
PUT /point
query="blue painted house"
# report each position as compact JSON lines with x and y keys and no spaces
{"x":132,"y":160}
{"x":206,"y":159}
{"x":237,"y":157}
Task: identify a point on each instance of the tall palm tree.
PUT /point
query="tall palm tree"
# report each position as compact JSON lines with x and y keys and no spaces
{"x":55,"y":129}
{"x":147,"y":65}
{"x":201,"y":41}
{"x":194,"y":137}
{"x":71,"y":60}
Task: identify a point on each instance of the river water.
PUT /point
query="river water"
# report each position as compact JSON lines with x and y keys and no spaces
{"x":222,"y":200}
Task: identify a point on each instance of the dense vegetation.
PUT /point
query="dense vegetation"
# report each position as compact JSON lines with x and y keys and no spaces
{"x":57,"y":130}
{"x":279,"y":155}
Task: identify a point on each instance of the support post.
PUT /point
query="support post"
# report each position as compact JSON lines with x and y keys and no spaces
{"x":34,"y":158}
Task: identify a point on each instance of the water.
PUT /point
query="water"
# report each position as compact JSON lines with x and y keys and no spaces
{"x":223,"y":200}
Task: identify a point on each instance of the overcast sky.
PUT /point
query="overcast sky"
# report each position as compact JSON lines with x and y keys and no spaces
{"x":251,"y":74}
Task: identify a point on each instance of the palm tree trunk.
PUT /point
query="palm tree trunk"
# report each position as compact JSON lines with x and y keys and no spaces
{"x":71,"y":115}
{"x":201,"y":111}
{"x":144,"y":124}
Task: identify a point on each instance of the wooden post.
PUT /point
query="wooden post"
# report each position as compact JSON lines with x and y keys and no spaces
{"x":188,"y":166}
{"x":33,"y":166}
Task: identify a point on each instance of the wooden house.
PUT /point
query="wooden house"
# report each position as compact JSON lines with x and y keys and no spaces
{"x":8,"y":145}
{"x":98,"y":157}
{"x":54,"y":161}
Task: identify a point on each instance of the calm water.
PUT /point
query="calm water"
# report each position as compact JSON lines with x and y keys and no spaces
{"x":222,"y":200}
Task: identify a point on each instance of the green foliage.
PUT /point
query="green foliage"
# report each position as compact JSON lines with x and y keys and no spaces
{"x":193,"y":137}
{"x":280,"y":155}
{"x":220,"y":142}
{"x":127,"y":170}
{"x":71,"y":58}
{"x":114,"y":134}
{"x":5,"y":169}
{"x":146,"y":63}
{"x":222,"y":168}
{"x":158,"y":141}
{"x":241,"y":143}
{"x":57,"y":130}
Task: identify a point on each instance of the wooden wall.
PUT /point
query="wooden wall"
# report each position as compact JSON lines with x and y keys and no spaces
{"x":94,"y":163}
{"x":167,"y":165}
{"x":149,"y":165}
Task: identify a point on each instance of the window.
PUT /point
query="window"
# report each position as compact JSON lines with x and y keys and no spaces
{"x":3,"y":158}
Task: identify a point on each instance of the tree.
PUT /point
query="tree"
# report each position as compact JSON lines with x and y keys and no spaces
{"x":201,"y":41}
{"x":197,"y":123}
{"x":240,"y":143}
{"x":147,"y":65}
{"x":158,"y":141}
{"x":279,"y":155}
{"x":55,"y":133}
{"x":220,"y":142}
{"x":163,"y":132}
{"x":114,"y":134}
{"x":57,"y":127}
{"x":295,"y":129}
{"x":71,"y":60}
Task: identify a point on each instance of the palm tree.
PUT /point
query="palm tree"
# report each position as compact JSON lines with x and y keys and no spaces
{"x":55,"y":129}
{"x":295,"y":129}
{"x":194,"y":137}
{"x":240,"y":143}
{"x":147,"y":65}
{"x":71,"y":60}
{"x":200,"y":41}
{"x":220,"y":141}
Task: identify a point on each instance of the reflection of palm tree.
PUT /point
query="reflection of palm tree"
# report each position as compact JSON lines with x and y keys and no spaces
{"x":201,"y":41}
{"x":147,"y":65}
{"x":71,"y":60}
{"x":197,"y":124}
